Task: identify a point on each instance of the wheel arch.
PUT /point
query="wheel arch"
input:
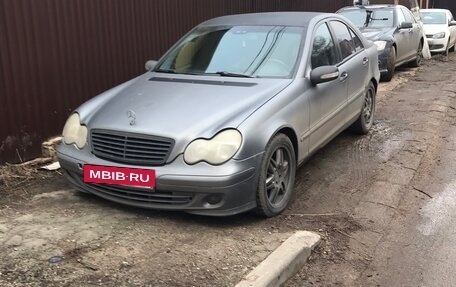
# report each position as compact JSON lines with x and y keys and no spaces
{"x":291,"y":134}
{"x":374,"y":81}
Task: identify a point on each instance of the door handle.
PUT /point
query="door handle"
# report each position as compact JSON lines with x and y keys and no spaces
{"x":343,"y":76}
{"x":365,"y":61}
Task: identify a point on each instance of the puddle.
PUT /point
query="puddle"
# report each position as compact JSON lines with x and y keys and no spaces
{"x":390,"y":147}
{"x":439,"y":211}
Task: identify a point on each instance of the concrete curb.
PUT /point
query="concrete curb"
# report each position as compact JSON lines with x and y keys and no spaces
{"x":284,"y":262}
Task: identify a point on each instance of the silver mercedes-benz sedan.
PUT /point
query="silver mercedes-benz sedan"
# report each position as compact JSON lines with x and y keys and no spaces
{"x":221,"y":122}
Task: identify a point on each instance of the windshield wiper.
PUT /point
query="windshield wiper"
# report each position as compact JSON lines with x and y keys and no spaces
{"x":221,"y":73}
{"x":369,"y":18}
{"x":230,"y":74}
{"x":172,"y":71}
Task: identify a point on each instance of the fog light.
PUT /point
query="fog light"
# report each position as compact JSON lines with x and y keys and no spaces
{"x":213,"y":199}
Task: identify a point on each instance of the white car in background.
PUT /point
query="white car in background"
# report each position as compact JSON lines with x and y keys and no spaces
{"x":440,"y":30}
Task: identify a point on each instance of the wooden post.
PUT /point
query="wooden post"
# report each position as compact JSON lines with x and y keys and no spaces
{"x":427,"y":4}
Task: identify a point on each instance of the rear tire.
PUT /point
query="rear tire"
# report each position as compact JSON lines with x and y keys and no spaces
{"x":391,"y":66}
{"x":366,"y":118}
{"x":277,"y":176}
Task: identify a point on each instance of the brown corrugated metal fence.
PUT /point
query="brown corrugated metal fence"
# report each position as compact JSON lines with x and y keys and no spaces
{"x":55,"y":54}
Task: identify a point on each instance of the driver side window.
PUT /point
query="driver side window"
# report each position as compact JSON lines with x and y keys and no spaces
{"x":400,"y":17}
{"x":323,"y":49}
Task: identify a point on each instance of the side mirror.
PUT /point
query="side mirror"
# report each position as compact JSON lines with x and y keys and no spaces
{"x":452,"y":23}
{"x":150,"y":65}
{"x":406,"y":25}
{"x":323,"y":74}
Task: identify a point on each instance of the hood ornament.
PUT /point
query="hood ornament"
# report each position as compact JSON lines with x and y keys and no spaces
{"x":132,"y":116}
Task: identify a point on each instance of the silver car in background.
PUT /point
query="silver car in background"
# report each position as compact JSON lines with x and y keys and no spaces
{"x":219,"y":125}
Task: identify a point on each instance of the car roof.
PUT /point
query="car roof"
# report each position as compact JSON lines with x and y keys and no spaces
{"x":300,"y":19}
{"x":371,"y":6}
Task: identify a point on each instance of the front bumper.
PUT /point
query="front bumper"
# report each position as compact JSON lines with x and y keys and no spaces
{"x":203,"y":189}
{"x":383,"y":59}
{"x":437,"y":45}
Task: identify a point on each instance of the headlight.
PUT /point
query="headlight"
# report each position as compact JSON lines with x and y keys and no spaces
{"x":439,"y":35}
{"x":74,"y":132}
{"x":217,"y":150}
{"x":380,"y":45}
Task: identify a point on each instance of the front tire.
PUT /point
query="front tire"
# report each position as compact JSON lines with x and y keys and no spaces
{"x":366,"y":119}
{"x":419,"y":56}
{"x":447,"y":49}
{"x":277,"y":176}
{"x":391,"y":66}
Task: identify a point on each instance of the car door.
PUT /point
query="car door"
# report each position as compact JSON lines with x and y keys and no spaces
{"x":358,"y":69}
{"x":401,"y":37}
{"x":327,"y":100}
{"x":414,"y":34}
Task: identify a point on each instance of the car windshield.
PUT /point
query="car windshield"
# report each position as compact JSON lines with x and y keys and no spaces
{"x":433,"y":17}
{"x":371,"y":18}
{"x":239,"y":51}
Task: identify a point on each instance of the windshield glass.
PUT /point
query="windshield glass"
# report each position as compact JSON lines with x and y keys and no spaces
{"x":371,"y":18}
{"x":257,"y":51}
{"x":433,"y":17}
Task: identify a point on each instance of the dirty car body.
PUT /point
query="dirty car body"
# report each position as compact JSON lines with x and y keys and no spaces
{"x":393,"y":29}
{"x":228,"y":113}
{"x":440,"y":30}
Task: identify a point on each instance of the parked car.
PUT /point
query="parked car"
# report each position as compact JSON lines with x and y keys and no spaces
{"x":395,"y":32}
{"x":440,"y":30}
{"x":220,"y":124}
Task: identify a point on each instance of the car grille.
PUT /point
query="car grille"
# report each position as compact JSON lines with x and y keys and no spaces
{"x":131,"y":148}
{"x":142,"y":195}
{"x":435,"y":47}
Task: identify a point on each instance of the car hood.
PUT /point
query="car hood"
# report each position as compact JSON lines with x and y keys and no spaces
{"x":181,"y":107}
{"x":377,"y":34}
{"x":430,"y":29}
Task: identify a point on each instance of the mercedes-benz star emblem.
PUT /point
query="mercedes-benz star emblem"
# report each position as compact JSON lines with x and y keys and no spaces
{"x":132,"y":116}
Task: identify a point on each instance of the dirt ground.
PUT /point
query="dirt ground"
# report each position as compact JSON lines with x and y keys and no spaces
{"x":351,"y":193}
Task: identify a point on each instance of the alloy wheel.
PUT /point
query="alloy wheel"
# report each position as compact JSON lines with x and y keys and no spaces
{"x":368,"y":108}
{"x":278,"y":177}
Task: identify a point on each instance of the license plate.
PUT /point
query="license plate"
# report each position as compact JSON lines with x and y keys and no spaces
{"x":134,"y":177}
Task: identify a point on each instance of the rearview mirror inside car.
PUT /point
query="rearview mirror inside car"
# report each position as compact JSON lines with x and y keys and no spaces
{"x":406,"y":25}
{"x":323,"y":74}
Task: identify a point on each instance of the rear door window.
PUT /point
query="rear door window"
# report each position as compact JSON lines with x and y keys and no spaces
{"x":343,"y":39}
{"x":356,"y":41}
